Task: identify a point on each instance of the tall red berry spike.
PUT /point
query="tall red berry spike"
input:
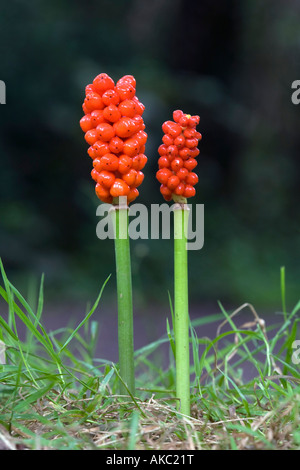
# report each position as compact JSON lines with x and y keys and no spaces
{"x":114,"y":129}
{"x":178,"y":157}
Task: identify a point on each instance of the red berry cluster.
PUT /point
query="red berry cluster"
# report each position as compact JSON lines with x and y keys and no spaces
{"x":178,"y":156}
{"x":114,"y":129}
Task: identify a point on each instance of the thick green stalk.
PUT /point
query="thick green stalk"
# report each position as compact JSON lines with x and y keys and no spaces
{"x":124,"y":291}
{"x":181,"y":307}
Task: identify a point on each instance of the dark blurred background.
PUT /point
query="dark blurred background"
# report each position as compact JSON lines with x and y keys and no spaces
{"x":232,"y":63}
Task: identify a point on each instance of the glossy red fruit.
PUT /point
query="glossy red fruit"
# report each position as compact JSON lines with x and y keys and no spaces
{"x":100,"y":148}
{"x":172,"y":151}
{"x":139,"y":178}
{"x":119,"y":188}
{"x":97,"y":165}
{"x":130,"y":177}
{"x":139,"y":161}
{"x":163,"y":175}
{"x":132,"y":195}
{"x":179,"y":190}
{"x":110,"y":97}
{"x":106,"y":178}
{"x":182,"y":173}
{"x":111,"y":113}
{"x":91,"y":136}
{"x":176,"y":164}
{"x":94,"y":174}
{"x":116,"y":145}
{"x":86,"y":123}
{"x":192,"y":179}
{"x":105,"y":131}
{"x":97,"y":117}
{"x":103,"y":82}
{"x":110,"y":162}
{"x":140,"y":108}
{"x":102,"y":192}
{"x":190,"y":164}
{"x":125,"y":91}
{"x":131,"y":147}
{"x":162,"y":150}
{"x":125,"y":164}
{"x":173,"y":182}
{"x":163,"y":162}
{"x":179,"y":141}
{"x":125,"y":127}
{"x":177,"y":115}
{"x":127,"y":108}
{"x":93,"y":101}
{"x":165,"y":191}
{"x":189,"y":191}
{"x":172,"y":128}
{"x":167,"y":140}
{"x":141,"y":137}
{"x":129,"y":79}
{"x":191,"y":143}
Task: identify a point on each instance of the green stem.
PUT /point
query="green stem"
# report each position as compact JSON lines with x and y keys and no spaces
{"x":124,"y":291}
{"x":181,"y":307}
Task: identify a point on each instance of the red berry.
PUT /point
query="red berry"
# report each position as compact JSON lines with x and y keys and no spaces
{"x":97,"y":117}
{"x":111,"y":113}
{"x":184,"y":120}
{"x":194,"y":152}
{"x":173,"y":181}
{"x":105,"y":131}
{"x":141,"y":137}
{"x":125,"y":127}
{"x":184,"y":153}
{"x":86,"y":123}
{"x":139,"y":178}
{"x":179,"y":190}
{"x":167,"y":140}
{"x":162,"y":150}
{"x":91,"y":136}
{"x":177,"y":115}
{"x":125,"y":91}
{"x":131,"y":147}
{"x":103,"y":82}
{"x":182,"y":173}
{"x":129,"y":79}
{"x":132,"y":195}
{"x":125,"y":164}
{"x":140,"y":108}
{"x":94,"y":174}
{"x":139,"y":161}
{"x":176,"y":164}
{"x":116,"y":145}
{"x":179,"y":141}
{"x":165,"y":191}
{"x":119,"y":188}
{"x":109,"y":162}
{"x":170,"y":127}
{"x":191,"y":143}
{"x":97,"y":165}
{"x":172,"y":151}
{"x":189,"y":191}
{"x":130,"y":177}
{"x":100,"y":148}
{"x":163,"y":175}
{"x":93,"y":101}
{"x":110,"y":97}
{"x":106,"y":178}
{"x":190,"y":164}
{"x":192,"y":179}
{"x":103,"y":193}
{"x":163,"y":162}
{"x":127,"y":108}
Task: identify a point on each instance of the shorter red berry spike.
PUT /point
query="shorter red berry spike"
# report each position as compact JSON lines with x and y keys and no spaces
{"x":114,"y":129}
{"x":178,"y":154}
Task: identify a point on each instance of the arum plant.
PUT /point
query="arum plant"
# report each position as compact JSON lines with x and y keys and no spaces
{"x":114,"y":129}
{"x":176,"y":163}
